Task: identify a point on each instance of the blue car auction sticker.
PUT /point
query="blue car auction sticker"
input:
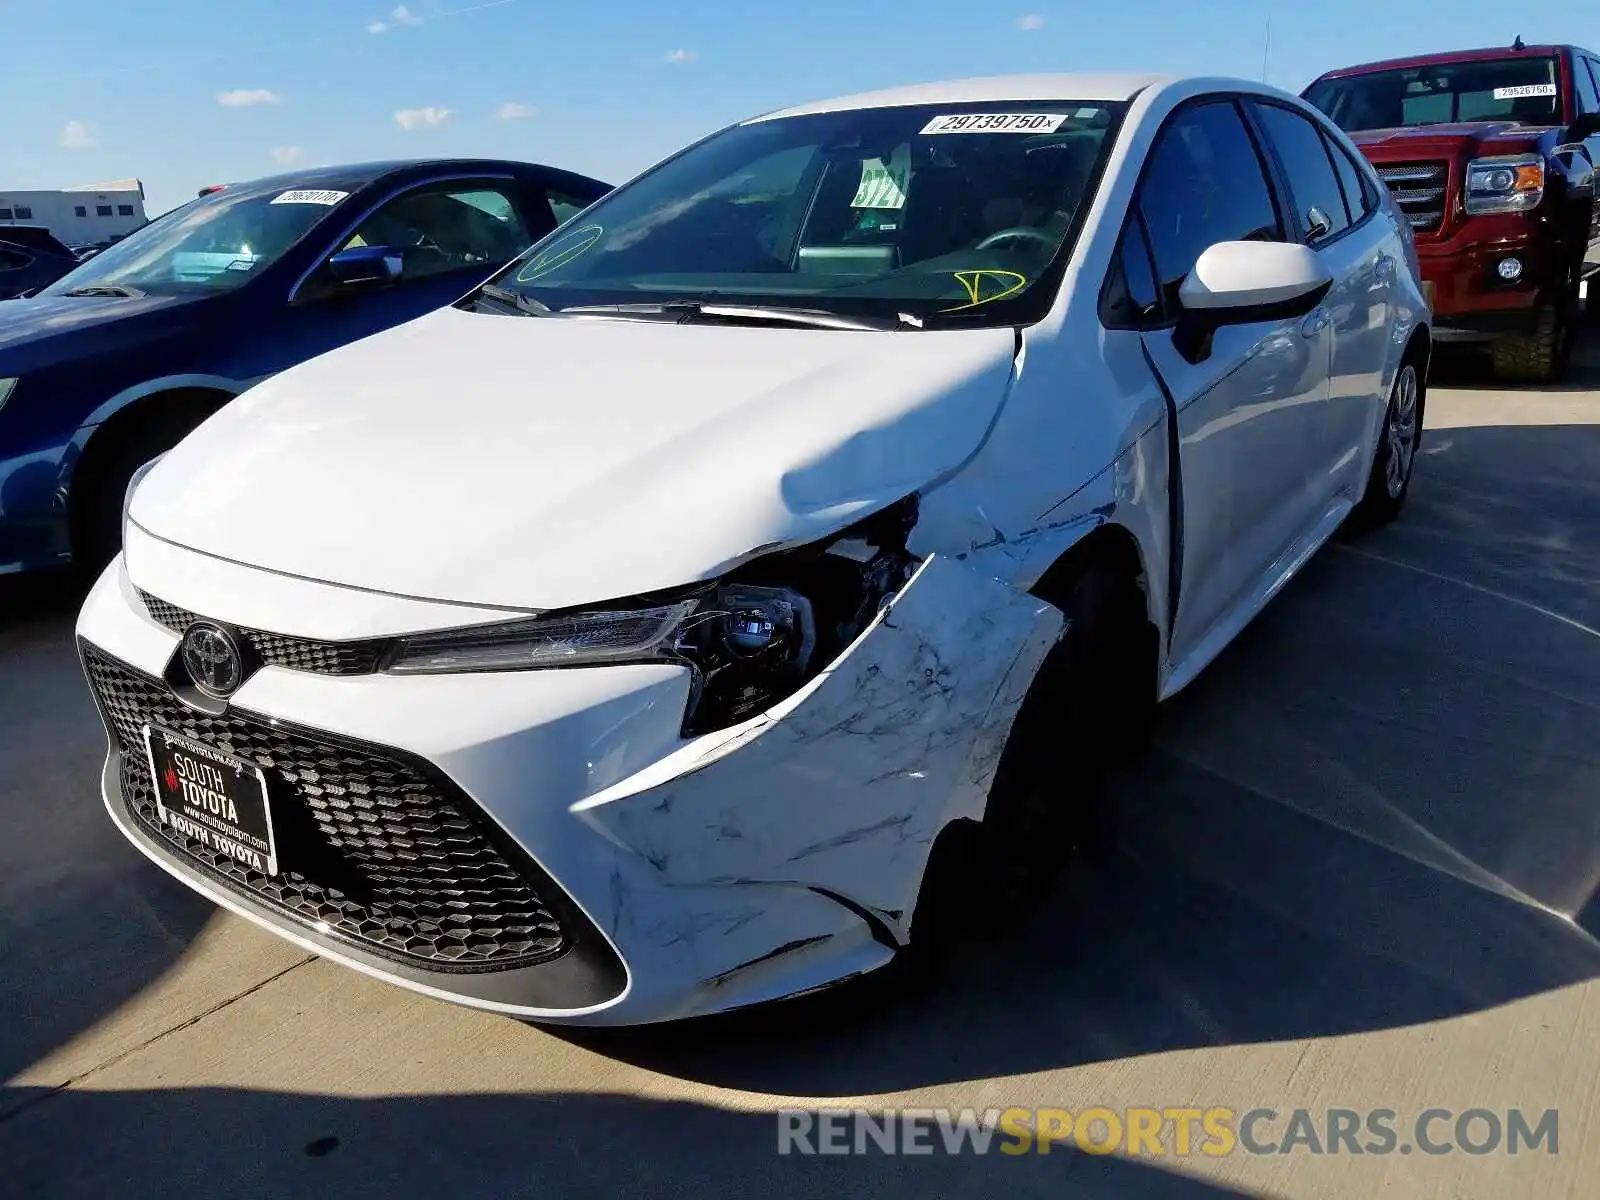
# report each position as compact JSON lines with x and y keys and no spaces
{"x":310,"y":196}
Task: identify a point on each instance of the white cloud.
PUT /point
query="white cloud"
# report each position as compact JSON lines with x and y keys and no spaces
{"x":422,"y":118}
{"x":247,"y":97}
{"x":75,"y":135}
{"x":400,"y":16}
{"x":1030,"y":22}
{"x":287,"y":156}
{"x":682,"y":56}
{"x":512,"y":111}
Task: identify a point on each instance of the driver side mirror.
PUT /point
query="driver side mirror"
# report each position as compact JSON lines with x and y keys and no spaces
{"x":1241,"y":283}
{"x":367,"y":266}
{"x":1586,"y":125}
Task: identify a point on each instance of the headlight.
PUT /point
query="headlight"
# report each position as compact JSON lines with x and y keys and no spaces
{"x":133,"y":484}
{"x":7,"y":386}
{"x":749,"y":640}
{"x":1511,"y":183}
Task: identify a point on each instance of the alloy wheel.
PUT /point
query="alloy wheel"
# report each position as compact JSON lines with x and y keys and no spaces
{"x":1401,"y":433}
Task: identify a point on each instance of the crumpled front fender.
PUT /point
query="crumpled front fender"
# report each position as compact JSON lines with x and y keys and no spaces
{"x":843,"y":787}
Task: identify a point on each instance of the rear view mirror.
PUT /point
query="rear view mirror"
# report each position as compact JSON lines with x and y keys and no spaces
{"x":1239,"y":283}
{"x":367,"y":265}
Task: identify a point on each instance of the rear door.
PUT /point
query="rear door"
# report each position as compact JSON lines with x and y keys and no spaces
{"x":1330,"y":210}
{"x":1247,"y":412}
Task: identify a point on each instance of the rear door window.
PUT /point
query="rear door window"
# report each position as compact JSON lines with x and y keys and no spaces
{"x":1358,"y":194}
{"x":1318,"y":198}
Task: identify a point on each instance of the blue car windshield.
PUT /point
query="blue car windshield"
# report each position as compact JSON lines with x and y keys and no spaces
{"x":213,"y":244}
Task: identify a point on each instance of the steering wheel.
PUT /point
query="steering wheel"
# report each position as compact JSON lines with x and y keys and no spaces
{"x":1017,"y":232}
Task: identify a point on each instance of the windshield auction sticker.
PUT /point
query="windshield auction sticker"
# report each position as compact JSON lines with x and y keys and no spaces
{"x":310,"y":196}
{"x":1524,"y":91}
{"x":995,"y":123}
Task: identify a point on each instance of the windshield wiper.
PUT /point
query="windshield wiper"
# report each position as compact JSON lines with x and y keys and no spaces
{"x":106,"y":289}
{"x":525,"y":305}
{"x":685,"y":311}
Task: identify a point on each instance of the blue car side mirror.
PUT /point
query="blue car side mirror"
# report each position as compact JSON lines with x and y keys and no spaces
{"x":367,"y":265}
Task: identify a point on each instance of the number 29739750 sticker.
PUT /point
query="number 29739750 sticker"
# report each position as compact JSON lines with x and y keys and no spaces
{"x":995,"y":123}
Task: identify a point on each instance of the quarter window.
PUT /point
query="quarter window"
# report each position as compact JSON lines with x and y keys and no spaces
{"x":447,"y":227}
{"x":1203,"y":184}
{"x":1358,"y":197}
{"x":1131,"y":297}
{"x":1318,"y":200}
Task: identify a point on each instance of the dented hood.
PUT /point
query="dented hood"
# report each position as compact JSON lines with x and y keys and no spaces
{"x":538,"y":463}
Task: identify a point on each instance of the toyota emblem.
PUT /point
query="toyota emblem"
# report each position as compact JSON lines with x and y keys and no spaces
{"x":212,"y":658}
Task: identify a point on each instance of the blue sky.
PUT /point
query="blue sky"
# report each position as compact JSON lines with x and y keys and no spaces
{"x":181,"y":93}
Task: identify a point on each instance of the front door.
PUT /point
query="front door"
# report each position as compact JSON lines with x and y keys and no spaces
{"x":1248,"y":410}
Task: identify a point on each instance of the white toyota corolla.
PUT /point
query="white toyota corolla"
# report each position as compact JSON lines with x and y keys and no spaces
{"x":659,"y":629}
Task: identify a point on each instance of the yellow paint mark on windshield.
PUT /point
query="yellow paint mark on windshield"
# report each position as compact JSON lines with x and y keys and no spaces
{"x":560,"y":252}
{"x":1009,"y":283}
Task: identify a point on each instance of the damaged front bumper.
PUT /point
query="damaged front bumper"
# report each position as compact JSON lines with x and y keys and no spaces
{"x":768,"y":859}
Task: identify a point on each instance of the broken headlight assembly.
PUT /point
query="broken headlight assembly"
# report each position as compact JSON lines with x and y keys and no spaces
{"x":750,"y":639}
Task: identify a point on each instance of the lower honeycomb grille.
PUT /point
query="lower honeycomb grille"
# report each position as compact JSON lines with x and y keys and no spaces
{"x":370,"y":846}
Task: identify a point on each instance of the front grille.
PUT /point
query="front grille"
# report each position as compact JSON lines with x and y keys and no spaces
{"x":1419,"y":191}
{"x":282,"y":650}
{"x":369,"y":844}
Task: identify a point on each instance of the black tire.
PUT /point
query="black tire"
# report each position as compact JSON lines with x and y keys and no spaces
{"x":1091,"y":704}
{"x":97,"y":498}
{"x":1541,"y":355}
{"x":1389,"y":483}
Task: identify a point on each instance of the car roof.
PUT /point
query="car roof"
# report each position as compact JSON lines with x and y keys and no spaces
{"x":1485,"y":54}
{"x":361,"y":174}
{"x":1004,"y":88}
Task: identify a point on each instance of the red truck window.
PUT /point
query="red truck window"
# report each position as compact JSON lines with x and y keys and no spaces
{"x":1522,"y":88}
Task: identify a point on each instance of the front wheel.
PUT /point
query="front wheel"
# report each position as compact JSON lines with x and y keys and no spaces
{"x":1396,"y":456}
{"x":1541,"y":355}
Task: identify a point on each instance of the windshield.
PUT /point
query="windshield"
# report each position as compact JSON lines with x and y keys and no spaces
{"x":957,"y":212}
{"x":1520,"y":89}
{"x":212,"y":244}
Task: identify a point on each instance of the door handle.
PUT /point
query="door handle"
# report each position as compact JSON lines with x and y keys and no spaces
{"x":1318,"y":320}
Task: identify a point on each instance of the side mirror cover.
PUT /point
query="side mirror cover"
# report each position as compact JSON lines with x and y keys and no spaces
{"x":1241,"y":283}
{"x":367,"y":265}
{"x":1587,"y":125}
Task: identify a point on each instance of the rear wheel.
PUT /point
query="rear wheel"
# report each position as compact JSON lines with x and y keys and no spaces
{"x":1396,"y":456}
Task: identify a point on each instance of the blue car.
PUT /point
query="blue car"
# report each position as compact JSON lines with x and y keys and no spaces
{"x":117,"y":361}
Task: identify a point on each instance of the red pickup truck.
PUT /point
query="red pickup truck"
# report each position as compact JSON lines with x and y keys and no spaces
{"x":1491,"y":155}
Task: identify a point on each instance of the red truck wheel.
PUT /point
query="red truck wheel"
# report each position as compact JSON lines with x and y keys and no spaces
{"x":1541,"y":355}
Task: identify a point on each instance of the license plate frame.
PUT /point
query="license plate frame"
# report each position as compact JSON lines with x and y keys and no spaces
{"x":206,"y":794}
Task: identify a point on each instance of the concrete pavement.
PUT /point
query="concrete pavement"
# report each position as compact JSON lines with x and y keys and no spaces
{"x":1359,"y":870}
